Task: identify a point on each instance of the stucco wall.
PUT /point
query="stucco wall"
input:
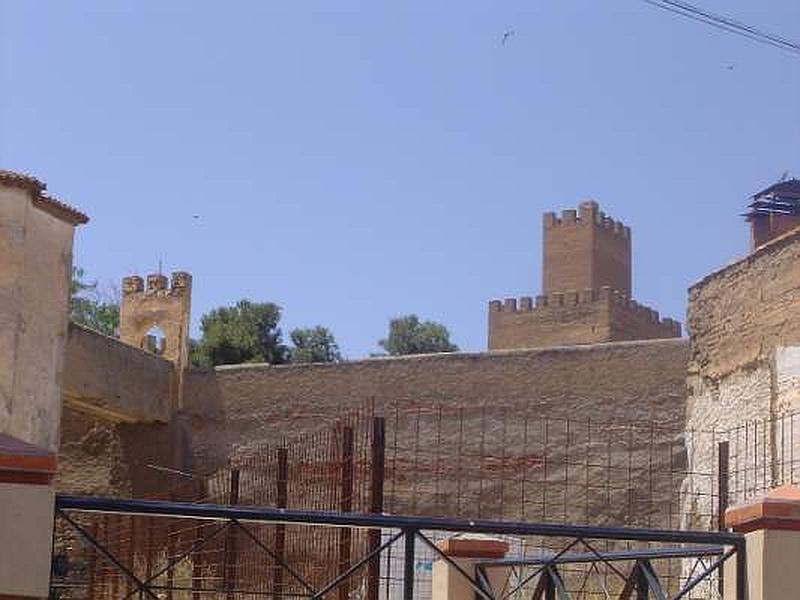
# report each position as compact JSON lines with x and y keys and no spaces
{"x":744,"y":368}
{"x":106,"y":377}
{"x":35,"y":271}
{"x":628,"y":381}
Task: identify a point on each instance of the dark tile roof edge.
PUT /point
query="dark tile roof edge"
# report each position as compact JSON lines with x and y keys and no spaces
{"x":44,"y":202}
{"x":60,"y":210}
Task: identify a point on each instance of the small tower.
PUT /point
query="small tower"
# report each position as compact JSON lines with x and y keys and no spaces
{"x":586,"y":281}
{"x":585,"y":249}
{"x":156,"y":317}
{"x":774,"y":211}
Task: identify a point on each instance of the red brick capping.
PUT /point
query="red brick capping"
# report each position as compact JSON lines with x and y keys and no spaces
{"x":778,"y":509}
{"x":21,"y":462}
{"x":473,"y":547}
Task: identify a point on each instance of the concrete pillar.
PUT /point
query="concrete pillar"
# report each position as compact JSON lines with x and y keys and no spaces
{"x":26,"y":518}
{"x":771,"y":526}
{"x":466,"y":552}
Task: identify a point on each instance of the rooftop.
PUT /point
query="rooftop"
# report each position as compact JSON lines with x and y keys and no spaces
{"x":41,"y":200}
{"x":782,"y":198}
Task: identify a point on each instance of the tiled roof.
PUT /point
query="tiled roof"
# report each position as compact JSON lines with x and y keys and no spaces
{"x":41,"y":200}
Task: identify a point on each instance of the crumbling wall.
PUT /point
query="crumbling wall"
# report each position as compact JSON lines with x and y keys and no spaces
{"x":744,"y":325}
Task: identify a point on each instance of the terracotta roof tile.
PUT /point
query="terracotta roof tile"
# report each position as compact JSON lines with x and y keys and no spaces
{"x":41,"y":200}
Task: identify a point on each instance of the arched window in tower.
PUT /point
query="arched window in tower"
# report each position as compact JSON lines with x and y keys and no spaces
{"x":154,"y":340}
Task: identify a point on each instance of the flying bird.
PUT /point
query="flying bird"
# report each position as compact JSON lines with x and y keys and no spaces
{"x":507,"y":35}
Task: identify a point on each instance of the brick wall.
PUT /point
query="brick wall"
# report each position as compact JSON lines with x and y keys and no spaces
{"x":574,"y":318}
{"x":585,"y":249}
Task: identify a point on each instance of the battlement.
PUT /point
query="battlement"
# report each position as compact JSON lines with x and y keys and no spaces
{"x":588,"y":213}
{"x":158,"y":283}
{"x":623,"y":313}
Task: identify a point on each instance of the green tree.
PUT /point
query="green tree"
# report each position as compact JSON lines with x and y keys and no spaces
{"x":314,"y":345}
{"x":409,"y":335}
{"x":247,"y":332}
{"x":91,"y":307}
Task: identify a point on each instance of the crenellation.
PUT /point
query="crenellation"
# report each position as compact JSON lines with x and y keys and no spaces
{"x":588,"y":211}
{"x":569,"y":216}
{"x":510,"y":305}
{"x":156,"y":282}
{"x":541,"y":301}
{"x":550,"y":220}
{"x":132,"y":285}
{"x":181,"y":283}
{"x":526,"y":304}
{"x":495,"y":306}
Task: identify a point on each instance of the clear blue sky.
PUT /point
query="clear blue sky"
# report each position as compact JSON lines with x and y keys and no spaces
{"x":353,"y":161}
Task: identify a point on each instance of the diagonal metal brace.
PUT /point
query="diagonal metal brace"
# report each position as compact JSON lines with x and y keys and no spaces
{"x":274,"y":556}
{"x":357,"y":566}
{"x":194,"y":547}
{"x":486,"y":594}
{"x":108,"y":555}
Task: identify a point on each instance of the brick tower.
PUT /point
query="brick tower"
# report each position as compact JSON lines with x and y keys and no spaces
{"x":586,"y":284}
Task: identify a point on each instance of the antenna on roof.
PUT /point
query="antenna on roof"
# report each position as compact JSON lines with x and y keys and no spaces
{"x":159,"y":267}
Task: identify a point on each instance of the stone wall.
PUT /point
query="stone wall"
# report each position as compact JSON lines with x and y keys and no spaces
{"x":635,"y":381}
{"x":743,"y":374}
{"x":107,"y":378}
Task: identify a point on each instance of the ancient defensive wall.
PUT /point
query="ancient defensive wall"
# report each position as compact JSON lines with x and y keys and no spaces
{"x":586,"y":317}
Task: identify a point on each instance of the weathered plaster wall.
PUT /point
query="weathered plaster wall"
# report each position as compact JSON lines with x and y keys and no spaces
{"x":35,"y":271}
{"x":102,"y":457}
{"x":105,"y":377}
{"x":744,"y":325}
{"x":628,"y":381}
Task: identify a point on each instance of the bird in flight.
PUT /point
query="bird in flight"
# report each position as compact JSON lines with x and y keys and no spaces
{"x":506,"y":36}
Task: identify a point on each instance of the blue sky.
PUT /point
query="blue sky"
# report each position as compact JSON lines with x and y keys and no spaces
{"x":354,"y":161}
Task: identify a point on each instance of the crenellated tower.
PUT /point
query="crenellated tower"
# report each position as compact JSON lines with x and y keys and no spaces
{"x":585,"y":249}
{"x":155,"y":316}
{"x":586,"y":284}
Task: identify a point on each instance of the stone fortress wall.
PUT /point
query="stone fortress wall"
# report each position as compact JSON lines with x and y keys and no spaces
{"x":557,"y":356}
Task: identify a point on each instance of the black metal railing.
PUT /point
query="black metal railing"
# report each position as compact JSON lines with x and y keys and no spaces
{"x":630,"y":555}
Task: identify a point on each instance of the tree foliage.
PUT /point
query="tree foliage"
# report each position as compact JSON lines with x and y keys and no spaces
{"x":409,"y":335}
{"x":247,"y":332}
{"x":314,"y":345}
{"x":91,"y":307}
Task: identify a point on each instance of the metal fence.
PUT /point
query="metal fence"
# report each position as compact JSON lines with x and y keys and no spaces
{"x":565,"y":573}
{"x":440,"y":460}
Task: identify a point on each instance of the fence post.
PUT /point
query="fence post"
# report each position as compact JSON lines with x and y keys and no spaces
{"x":723,"y":478}
{"x":346,"y":506}
{"x":378,"y":463}
{"x":282,"y":500}
{"x":408,"y":564}
{"x":230,"y":546}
